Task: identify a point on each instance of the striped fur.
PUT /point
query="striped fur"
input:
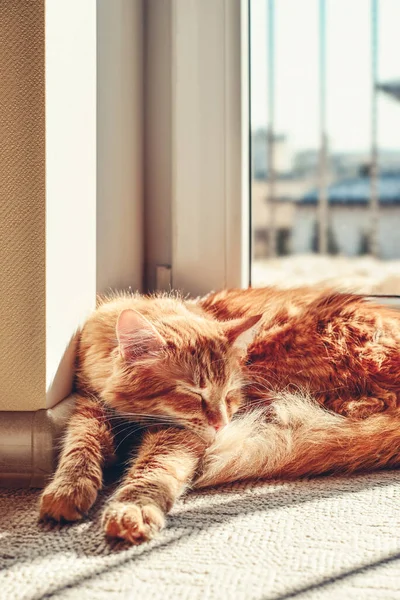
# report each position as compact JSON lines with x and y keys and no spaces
{"x":241,"y":384}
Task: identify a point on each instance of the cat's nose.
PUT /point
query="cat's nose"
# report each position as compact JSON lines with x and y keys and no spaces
{"x":217,"y":424}
{"x":217,"y":420}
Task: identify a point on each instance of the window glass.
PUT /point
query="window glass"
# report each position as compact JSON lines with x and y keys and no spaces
{"x":325,"y":122}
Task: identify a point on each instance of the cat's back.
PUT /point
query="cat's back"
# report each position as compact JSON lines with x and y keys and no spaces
{"x":341,"y":347}
{"x":234,"y":303}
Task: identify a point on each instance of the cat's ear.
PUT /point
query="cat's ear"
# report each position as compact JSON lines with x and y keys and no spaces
{"x":241,"y":332}
{"x":137,"y":337}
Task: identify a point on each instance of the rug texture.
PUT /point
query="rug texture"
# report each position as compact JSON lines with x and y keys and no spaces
{"x":326,"y":538}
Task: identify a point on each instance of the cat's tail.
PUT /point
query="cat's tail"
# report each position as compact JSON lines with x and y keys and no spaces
{"x":297,"y":437}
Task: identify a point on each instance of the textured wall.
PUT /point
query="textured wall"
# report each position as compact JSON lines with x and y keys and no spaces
{"x":22,"y":205}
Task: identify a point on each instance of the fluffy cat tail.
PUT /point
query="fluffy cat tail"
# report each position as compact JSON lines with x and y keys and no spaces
{"x":297,"y":437}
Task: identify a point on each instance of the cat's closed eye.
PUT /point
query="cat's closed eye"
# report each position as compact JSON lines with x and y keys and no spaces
{"x":232,"y":401}
{"x":202,"y":401}
{"x":230,"y":397}
{"x":194,"y":394}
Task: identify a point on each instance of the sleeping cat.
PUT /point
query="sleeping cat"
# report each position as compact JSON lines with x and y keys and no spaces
{"x":237,"y":385}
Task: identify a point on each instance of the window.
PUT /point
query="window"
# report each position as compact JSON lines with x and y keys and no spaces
{"x":325,"y":123}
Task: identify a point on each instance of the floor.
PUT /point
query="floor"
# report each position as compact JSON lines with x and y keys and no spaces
{"x":326,"y":538}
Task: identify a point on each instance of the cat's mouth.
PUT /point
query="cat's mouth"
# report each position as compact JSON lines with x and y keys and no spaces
{"x":207,"y":434}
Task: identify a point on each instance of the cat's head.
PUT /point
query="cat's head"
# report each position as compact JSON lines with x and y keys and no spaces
{"x":181,"y":369}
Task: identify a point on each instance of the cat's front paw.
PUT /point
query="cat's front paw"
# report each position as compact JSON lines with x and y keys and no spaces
{"x":131,"y":522}
{"x":67,"y":501}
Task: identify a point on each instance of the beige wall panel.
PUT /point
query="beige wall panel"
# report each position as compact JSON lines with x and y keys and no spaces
{"x":22,"y":205}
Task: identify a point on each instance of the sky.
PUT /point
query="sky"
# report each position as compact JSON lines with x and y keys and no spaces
{"x":348,"y":72}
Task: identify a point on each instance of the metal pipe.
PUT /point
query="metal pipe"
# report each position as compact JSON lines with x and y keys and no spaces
{"x":29,"y":443}
{"x":323,"y":216}
{"x":374,"y":170}
{"x":271,"y":133}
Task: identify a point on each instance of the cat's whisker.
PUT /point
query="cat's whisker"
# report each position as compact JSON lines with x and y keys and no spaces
{"x":141,"y":428}
{"x":255,"y":377}
{"x":122,"y":441}
{"x":137,"y":427}
{"x":255,"y":403}
{"x":123,"y":416}
{"x":140,"y":419}
{"x":262,"y":387}
{"x":128,"y":430}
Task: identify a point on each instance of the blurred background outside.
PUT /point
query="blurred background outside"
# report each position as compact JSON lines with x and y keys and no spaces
{"x":325,"y":123}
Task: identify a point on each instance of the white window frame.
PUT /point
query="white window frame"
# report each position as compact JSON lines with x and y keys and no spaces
{"x":94,"y":188}
{"x":71,"y":140}
{"x":208,"y":147}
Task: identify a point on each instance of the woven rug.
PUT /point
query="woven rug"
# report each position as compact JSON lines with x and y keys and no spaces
{"x":328,"y":538}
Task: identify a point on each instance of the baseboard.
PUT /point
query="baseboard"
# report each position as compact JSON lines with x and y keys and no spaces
{"x":29,"y":443}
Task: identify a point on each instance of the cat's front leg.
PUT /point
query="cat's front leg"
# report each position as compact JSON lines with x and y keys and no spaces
{"x":88,"y":444}
{"x":166,"y":463}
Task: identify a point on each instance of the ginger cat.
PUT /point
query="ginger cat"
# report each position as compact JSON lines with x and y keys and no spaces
{"x":240,"y":384}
